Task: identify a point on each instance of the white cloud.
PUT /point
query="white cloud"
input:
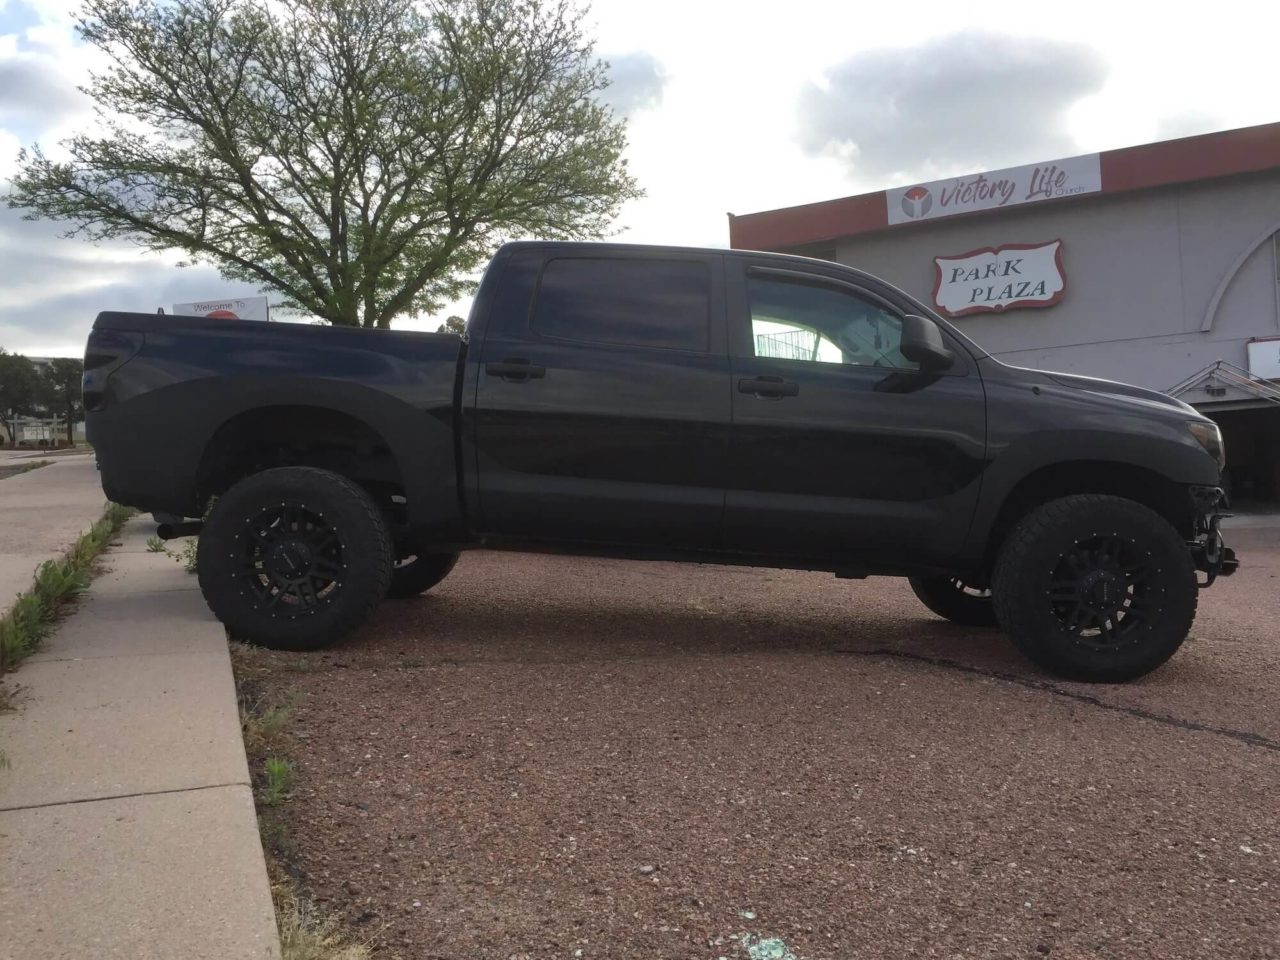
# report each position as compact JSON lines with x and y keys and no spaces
{"x":962,"y":102}
{"x":52,"y":287}
{"x":34,"y":85}
{"x":9,"y":147}
{"x":636,"y":82}
{"x":1189,"y":123}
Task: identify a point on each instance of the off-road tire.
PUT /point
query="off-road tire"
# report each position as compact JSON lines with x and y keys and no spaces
{"x":1054,"y":572}
{"x":419,"y":574}
{"x":947,"y":597}
{"x":294,"y":558}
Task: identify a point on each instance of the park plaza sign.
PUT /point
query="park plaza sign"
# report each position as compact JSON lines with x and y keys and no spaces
{"x":994,"y":190}
{"x":994,"y":279}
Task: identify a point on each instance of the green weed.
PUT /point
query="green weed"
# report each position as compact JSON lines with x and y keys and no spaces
{"x":16,"y":470}
{"x":277,"y":781}
{"x":56,"y":583}
{"x":306,"y":933}
{"x":186,"y":554}
{"x":263,"y":725}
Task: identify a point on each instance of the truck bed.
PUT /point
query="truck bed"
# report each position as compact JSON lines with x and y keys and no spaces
{"x":198,"y":384}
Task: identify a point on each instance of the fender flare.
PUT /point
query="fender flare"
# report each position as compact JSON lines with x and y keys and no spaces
{"x":1174,"y":459}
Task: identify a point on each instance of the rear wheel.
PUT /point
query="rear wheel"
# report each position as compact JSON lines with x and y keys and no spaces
{"x":294,"y":558}
{"x":414,"y":575}
{"x":953,"y":599}
{"x":1096,"y":588}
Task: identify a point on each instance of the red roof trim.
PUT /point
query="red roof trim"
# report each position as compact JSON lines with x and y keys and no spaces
{"x":810,"y":223}
{"x":1205,"y":157}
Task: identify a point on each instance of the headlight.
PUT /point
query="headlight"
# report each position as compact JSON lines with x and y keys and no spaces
{"x":1209,"y":436}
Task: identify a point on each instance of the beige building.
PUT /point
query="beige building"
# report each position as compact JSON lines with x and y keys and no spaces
{"x":1157,"y":265}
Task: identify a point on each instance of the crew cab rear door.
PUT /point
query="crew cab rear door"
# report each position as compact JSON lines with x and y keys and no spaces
{"x":842,"y":449}
{"x":602,"y":398}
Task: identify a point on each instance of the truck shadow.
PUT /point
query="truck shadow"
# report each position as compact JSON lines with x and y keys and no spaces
{"x":566,"y":610}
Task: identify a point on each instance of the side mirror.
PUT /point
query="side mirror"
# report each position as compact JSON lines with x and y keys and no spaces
{"x":922,"y":343}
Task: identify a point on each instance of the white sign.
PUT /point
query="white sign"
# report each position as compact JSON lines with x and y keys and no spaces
{"x":1000,"y":278}
{"x":1264,"y":358}
{"x":238,"y":308}
{"x":999,"y":188}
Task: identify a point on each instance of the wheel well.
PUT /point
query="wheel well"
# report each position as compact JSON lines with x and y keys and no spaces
{"x":1153,"y":490}
{"x":286,"y":436}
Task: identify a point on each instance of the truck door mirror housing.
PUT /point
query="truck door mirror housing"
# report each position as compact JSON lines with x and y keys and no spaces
{"x":922,"y":343}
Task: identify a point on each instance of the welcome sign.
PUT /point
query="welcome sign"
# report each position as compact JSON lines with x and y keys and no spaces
{"x":994,"y":279}
{"x":999,"y":188}
{"x":238,"y":308}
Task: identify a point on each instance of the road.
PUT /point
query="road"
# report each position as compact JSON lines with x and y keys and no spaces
{"x":643,"y":760}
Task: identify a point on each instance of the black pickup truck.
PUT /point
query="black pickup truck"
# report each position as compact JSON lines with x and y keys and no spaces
{"x":663,"y":403}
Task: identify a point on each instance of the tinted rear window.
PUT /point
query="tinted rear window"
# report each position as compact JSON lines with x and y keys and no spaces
{"x":643,"y":303}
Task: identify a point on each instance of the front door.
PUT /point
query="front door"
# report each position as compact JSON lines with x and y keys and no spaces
{"x":842,"y":449}
{"x":602,"y":406}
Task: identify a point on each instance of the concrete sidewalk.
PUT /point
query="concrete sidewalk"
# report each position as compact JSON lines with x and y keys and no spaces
{"x":42,"y":514}
{"x":127,"y":825}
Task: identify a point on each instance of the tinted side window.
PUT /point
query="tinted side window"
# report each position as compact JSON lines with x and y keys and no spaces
{"x":808,"y":321}
{"x":643,"y":303}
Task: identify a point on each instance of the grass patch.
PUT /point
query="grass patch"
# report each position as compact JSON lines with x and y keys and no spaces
{"x":56,"y":583}
{"x":155,"y":545}
{"x":264,"y":726}
{"x":17,"y":469}
{"x":278,"y":777}
{"x":306,"y":933}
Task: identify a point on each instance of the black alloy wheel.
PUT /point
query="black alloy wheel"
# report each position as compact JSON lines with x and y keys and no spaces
{"x":953,"y":599}
{"x":1101,"y":591}
{"x":1095,"y":588}
{"x":291,"y":559}
{"x":294,"y":558}
{"x":418,"y":573}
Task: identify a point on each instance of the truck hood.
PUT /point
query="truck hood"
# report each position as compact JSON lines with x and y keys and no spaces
{"x":1113,"y":392}
{"x":1112,"y":388}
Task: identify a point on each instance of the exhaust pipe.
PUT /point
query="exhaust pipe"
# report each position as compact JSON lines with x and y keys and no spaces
{"x":183,"y":528}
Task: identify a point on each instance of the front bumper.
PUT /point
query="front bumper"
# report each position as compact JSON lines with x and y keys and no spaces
{"x":1211,"y":555}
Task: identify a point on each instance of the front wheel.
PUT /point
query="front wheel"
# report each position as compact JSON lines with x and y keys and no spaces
{"x":294,"y":558}
{"x":953,"y":599}
{"x":414,"y":575}
{"x":1095,"y":588}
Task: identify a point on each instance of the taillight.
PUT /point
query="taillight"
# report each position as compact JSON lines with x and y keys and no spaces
{"x":105,"y":352}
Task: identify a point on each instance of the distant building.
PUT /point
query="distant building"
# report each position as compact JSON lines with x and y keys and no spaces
{"x":1157,"y":265}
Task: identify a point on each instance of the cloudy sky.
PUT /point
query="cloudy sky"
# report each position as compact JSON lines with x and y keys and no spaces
{"x":734,"y":105}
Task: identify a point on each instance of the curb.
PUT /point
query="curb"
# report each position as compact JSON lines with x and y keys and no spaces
{"x":127,"y":817}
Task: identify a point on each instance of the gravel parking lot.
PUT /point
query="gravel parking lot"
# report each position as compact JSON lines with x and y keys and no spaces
{"x":556,"y":757}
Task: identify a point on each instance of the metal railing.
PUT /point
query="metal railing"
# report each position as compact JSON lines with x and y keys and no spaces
{"x":1228,"y":374}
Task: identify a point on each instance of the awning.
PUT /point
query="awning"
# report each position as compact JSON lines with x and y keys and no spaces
{"x":1225,"y":383}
